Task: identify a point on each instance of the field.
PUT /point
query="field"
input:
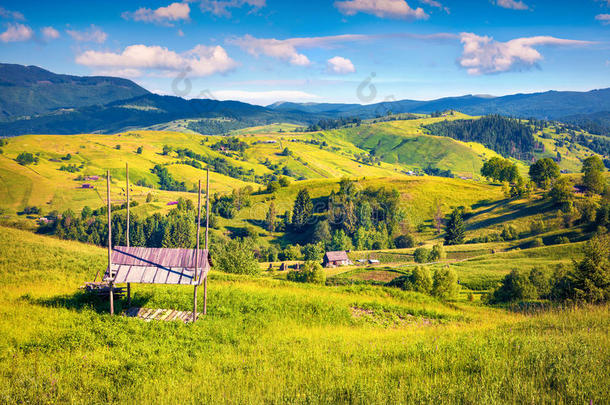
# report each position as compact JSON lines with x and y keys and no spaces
{"x":283,"y":342}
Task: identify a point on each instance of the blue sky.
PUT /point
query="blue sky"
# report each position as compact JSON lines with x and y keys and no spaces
{"x":261,"y":51}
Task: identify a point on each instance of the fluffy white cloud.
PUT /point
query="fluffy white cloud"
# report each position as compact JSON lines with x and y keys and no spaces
{"x":513,"y":4}
{"x":93,"y":34}
{"x":604,"y":18}
{"x":199,"y":61}
{"x":50,"y":33}
{"x":287,"y":49}
{"x":12,"y":15}
{"x":381,"y":8}
{"x":163,"y":15}
{"x":16,"y":33}
{"x":484,"y":55}
{"x":340,"y":66}
{"x":264,"y":97}
{"x":221,"y":8}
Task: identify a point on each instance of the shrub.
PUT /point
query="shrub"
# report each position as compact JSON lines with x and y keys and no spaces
{"x":26,"y":158}
{"x":537,"y":226}
{"x":418,"y":280}
{"x":421,"y":255}
{"x":589,"y":280}
{"x":522,"y":285}
{"x":404,"y":241}
{"x":292,"y":252}
{"x":445,"y":283}
{"x":438,"y":253}
{"x":310,"y":272}
{"x":509,"y":233}
{"x":313,"y":252}
{"x":421,"y":280}
{"x":237,"y":257}
{"x":537,"y":242}
{"x":562,"y":240}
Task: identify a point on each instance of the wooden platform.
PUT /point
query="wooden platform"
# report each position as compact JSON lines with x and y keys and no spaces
{"x":150,"y":314}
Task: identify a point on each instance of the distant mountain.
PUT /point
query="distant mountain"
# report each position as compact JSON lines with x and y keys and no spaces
{"x":30,"y":90}
{"x":144,"y":111}
{"x":597,"y":123}
{"x":547,"y":105}
{"x":34,"y":100}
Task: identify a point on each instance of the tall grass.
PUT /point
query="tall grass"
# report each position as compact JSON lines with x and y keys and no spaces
{"x":271,"y":341}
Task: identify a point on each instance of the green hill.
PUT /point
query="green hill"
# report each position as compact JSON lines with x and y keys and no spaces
{"x":30,"y":90}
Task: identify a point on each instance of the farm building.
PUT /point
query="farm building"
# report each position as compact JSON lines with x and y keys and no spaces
{"x":339,"y":258}
{"x":87,"y":185}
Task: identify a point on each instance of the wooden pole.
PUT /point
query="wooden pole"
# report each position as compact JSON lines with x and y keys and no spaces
{"x":110,"y":242}
{"x":127,"y":233}
{"x":207,"y":226}
{"x":197,"y":252}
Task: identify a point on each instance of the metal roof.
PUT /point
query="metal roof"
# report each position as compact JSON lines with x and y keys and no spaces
{"x":156,"y":266}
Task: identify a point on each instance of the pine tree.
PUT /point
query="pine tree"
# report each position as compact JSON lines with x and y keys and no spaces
{"x":455,"y":228}
{"x":270,"y":220}
{"x":302,"y":211}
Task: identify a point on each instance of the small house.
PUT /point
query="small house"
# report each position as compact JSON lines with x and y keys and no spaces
{"x":87,"y":185}
{"x":373,"y":261}
{"x":339,"y":258}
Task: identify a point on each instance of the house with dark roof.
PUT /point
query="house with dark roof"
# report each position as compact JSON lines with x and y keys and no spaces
{"x":333,"y":259}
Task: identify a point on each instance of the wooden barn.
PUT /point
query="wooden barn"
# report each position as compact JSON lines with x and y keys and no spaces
{"x":333,"y":259}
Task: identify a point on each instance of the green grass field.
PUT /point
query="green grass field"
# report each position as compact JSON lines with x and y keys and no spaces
{"x":272,"y":341}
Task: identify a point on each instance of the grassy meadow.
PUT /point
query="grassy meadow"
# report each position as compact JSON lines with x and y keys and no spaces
{"x":268,"y":340}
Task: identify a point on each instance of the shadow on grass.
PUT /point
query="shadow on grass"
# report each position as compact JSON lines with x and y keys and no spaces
{"x":517,"y":211}
{"x":82,"y":300}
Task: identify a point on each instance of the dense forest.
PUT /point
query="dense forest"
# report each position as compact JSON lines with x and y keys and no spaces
{"x":508,"y":137}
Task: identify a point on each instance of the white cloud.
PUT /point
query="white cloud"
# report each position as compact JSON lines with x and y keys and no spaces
{"x":16,"y":33}
{"x":264,"y":97}
{"x":286,"y":49}
{"x":221,"y":8}
{"x":340,"y":66}
{"x":199,"y":61}
{"x":604,"y":18}
{"x":381,"y":8}
{"x":50,"y":33}
{"x":484,"y":55}
{"x":512,"y":4}
{"x":93,"y":34}
{"x":436,"y":4}
{"x":12,"y":15}
{"x":128,"y":73}
{"x":163,"y":15}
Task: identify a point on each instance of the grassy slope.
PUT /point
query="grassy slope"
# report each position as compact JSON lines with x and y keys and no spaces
{"x":405,"y":143}
{"x":266,"y":340}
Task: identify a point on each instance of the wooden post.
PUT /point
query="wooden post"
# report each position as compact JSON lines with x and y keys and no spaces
{"x":196,"y":278}
{"x":207,"y":226}
{"x":127,"y":233}
{"x":110,"y":242}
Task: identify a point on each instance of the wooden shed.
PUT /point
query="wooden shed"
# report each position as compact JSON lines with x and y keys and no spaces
{"x":140,"y":265}
{"x":338,"y":258}
{"x":157,"y":266}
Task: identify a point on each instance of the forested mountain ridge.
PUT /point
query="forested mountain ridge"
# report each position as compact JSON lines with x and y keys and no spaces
{"x":30,"y":90}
